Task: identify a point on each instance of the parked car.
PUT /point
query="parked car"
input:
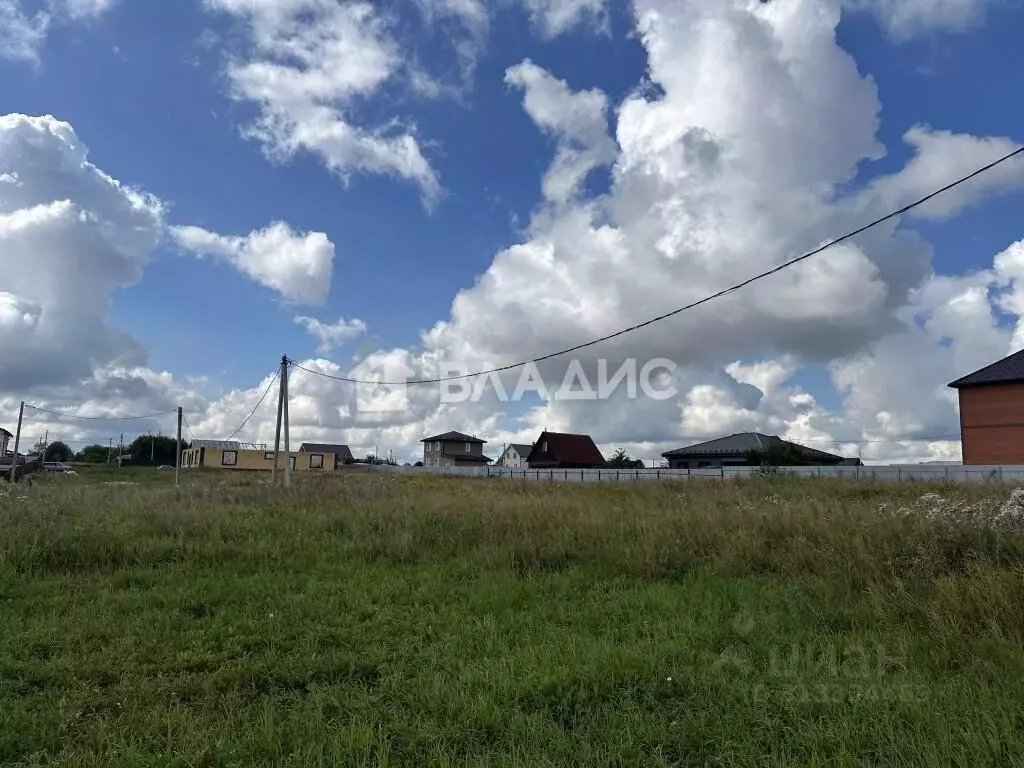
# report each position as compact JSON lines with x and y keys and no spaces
{"x":55,"y":466}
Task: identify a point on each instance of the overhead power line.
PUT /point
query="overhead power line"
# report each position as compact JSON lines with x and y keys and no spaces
{"x":785,"y":265}
{"x":185,"y":422}
{"x":256,"y":407}
{"x":101,"y":418}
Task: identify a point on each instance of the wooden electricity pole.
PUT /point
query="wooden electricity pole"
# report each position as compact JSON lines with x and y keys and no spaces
{"x":287,"y":444}
{"x":282,"y":373}
{"x":17,"y":441}
{"x":177,"y":450}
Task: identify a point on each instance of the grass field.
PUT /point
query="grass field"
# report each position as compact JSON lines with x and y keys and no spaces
{"x":386,"y":620}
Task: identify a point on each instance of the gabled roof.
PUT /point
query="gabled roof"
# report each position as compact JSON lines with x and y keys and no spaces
{"x":452,"y":437}
{"x":1010,"y":368}
{"x":5,"y":432}
{"x":523,"y":449}
{"x":566,"y":449}
{"x":742,"y":442}
{"x":340,"y":451}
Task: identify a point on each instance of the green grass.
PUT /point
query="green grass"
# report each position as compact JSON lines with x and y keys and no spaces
{"x":374,"y":620}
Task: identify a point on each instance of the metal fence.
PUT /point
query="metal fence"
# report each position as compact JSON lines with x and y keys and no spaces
{"x":893,"y":472}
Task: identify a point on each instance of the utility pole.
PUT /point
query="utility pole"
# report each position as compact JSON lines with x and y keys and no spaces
{"x":177,"y":450}
{"x":17,"y":440}
{"x":46,"y":442}
{"x":282,"y":373}
{"x":151,"y":446}
{"x":287,"y":445}
{"x":120,"y":450}
{"x":110,"y":448}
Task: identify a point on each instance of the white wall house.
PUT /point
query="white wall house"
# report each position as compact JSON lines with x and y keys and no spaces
{"x":5,"y":437}
{"x":514,"y":456}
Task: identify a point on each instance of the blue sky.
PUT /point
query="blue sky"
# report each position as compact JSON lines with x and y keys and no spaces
{"x":146,"y":89}
{"x":150,"y":101}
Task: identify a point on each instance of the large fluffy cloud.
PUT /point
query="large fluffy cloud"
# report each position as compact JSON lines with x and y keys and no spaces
{"x":69,"y":236}
{"x":706,"y":191}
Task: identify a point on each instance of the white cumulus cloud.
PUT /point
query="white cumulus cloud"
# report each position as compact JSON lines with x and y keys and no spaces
{"x":706,"y":191}
{"x":904,"y":19}
{"x":577,"y":121}
{"x":331,"y":335}
{"x":554,"y":17}
{"x":308,"y":61}
{"x":24,"y":25}
{"x":297,"y":265}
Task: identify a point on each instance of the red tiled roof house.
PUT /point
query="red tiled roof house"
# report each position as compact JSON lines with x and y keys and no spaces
{"x":559,"y":450}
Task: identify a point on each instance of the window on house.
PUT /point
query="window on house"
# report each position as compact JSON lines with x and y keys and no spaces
{"x":544,"y":447}
{"x":268,"y":455}
{"x":437,"y":446}
{"x":229,"y":458}
{"x":291,"y":462}
{"x":467,"y":447}
{"x":316,"y":461}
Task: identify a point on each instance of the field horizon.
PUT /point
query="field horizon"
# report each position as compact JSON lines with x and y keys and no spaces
{"x":380,"y":619}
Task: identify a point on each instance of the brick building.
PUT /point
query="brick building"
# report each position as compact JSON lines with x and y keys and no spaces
{"x":992,"y":412}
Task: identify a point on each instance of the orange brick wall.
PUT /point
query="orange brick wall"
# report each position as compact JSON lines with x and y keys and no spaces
{"x":992,"y":424}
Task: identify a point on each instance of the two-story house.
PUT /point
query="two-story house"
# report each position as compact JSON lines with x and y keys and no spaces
{"x":514,"y":456}
{"x":453,"y":449}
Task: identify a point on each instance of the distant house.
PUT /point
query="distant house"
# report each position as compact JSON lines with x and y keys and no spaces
{"x":992,"y":412}
{"x":342,"y":454}
{"x":5,"y":438}
{"x":454,"y":449}
{"x":735,"y":451}
{"x":224,"y":445}
{"x":248,"y":458}
{"x":514,"y":456}
{"x":559,"y":450}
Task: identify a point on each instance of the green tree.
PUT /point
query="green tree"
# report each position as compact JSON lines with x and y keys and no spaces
{"x":621,"y":460}
{"x":780,"y":454}
{"x":93,"y":454}
{"x":163,"y":450}
{"x":58,"y":451}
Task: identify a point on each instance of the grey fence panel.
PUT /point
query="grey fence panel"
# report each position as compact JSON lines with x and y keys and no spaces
{"x":891,"y":473}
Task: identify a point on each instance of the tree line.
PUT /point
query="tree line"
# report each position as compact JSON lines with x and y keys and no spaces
{"x":143,"y":450}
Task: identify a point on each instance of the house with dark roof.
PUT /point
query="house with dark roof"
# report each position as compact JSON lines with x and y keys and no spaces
{"x":454,"y":449}
{"x":342,"y":453}
{"x":5,"y":437}
{"x":992,"y":412}
{"x":514,"y":456}
{"x":739,"y":451}
{"x":560,"y":450}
